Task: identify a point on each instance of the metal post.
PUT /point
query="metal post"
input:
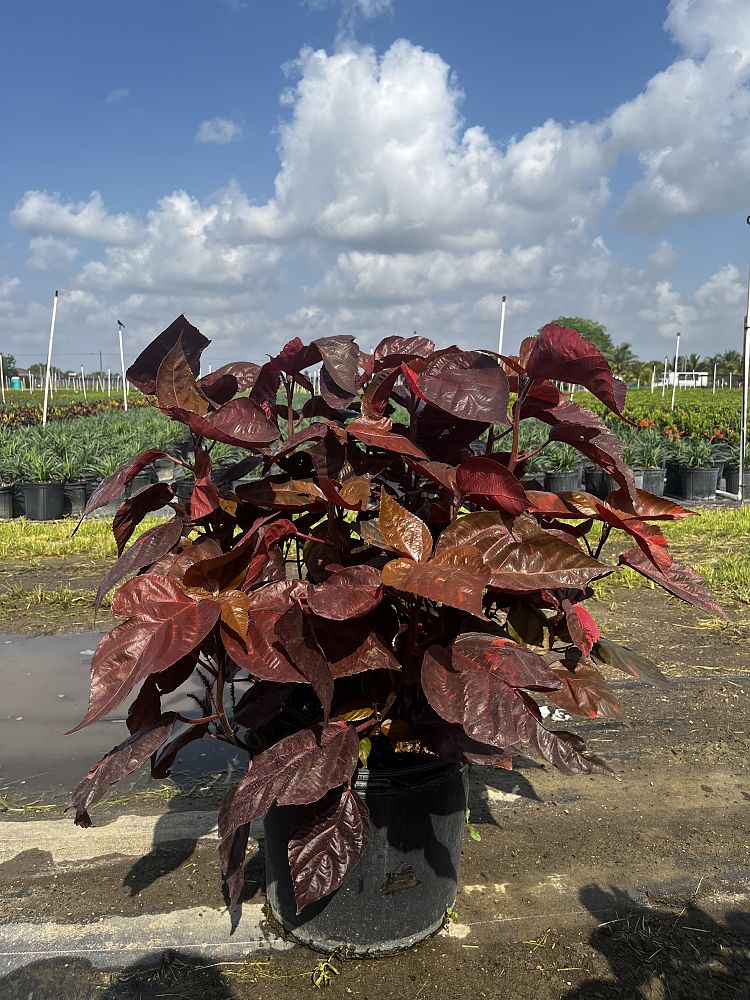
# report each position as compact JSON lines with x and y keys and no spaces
{"x":49,"y":359}
{"x":120,"y":328}
{"x":664,"y":378}
{"x":714,"y":389}
{"x":83,"y":382}
{"x":676,"y":362}
{"x":653,"y":379}
{"x":109,"y":382}
{"x":502,"y":325}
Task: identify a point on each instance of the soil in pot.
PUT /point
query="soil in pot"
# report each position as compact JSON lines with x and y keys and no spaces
{"x":696,"y":483}
{"x":562,"y":482}
{"x":398,"y":893}
{"x":44,"y":501}
{"x":6,"y":503}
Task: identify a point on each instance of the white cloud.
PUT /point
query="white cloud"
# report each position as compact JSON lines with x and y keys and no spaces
{"x":218,"y":130}
{"x":118,"y":95}
{"x":180,"y":251}
{"x":46,"y":253}
{"x":41,"y":212}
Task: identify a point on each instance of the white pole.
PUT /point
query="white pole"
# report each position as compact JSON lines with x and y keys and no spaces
{"x":676,"y":361}
{"x":120,"y":328}
{"x":502,"y":325}
{"x":746,"y":369}
{"x":714,"y":392}
{"x":664,"y":378}
{"x":109,"y":382}
{"x":83,"y":382}
{"x":49,"y":359}
{"x":2,"y":377}
{"x":653,"y":379}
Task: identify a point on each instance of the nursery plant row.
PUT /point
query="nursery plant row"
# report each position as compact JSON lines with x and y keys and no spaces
{"x":30,"y":411}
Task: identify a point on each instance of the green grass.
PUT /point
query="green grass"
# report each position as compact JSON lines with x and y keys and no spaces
{"x":37,"y":540}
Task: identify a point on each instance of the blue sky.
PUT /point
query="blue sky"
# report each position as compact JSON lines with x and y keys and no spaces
{"x":372,"y":166}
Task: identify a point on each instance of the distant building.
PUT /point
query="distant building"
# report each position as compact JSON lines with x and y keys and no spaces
{"x":685,"y":380}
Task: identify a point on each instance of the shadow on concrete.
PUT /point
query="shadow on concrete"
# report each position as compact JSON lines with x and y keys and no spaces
{"x":658,"y":954}
{"x":492,"y":789}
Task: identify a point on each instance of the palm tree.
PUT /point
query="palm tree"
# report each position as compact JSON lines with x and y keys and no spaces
{"x":692,"y":362}
{"x":624,"y":361}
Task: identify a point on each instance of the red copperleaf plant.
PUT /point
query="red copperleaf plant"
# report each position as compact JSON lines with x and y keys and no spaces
{"x":383,"y":585}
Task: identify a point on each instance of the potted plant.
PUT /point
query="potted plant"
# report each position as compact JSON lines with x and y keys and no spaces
{"x":697,"y":475}
{"x":43,"y":490}
{"x":732,"y":470}
{"x":562,"y":464}
{"x":378,"y":609}
{"x":10,"y":466}
{"x":643,"y":451}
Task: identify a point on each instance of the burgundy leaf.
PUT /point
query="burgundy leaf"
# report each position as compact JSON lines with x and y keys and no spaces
{"x":113,"y":485}
{"x":295,"y":634}
{"x":347,"y":593}
{"x":238,"y":376}
{"x":679,"y":579}
{"x":378,"y":434}
{"x":565,"y":751}
{"x":118,"y":763}
{"x":260,"y":703}
{"x":238,"y":422}
{"x":468,"y":385}
{"x":142,"y":373}
{"x":326,"y":842}
{"x":486,"y":482}
{"x":232,"y":852}
{"x":204,"y":499}
{"x":402,"y":530}
{"x":295,"y":357}
{"x":392,"y":351}
{"x":145,"y":551}
{"x":297,"y":770}
{"x":514,"y":665}
{"x":340,"y":359}
{"x":353,"y":648}
{"x":563,"y":355}
{"x":581,"y":626}
{"x":444,"y":584}
{"x":131,"y":512}
{"x":648,"y":507}
{"x":258,"y":654}
{"x":614,"y":654}
{"x":585,"y":692}
{"x":176,"y":385}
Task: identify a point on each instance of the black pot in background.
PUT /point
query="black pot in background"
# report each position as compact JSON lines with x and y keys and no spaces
{"x":732,"y":478}
{"x":598,"y":483}
{"x":398,"y":893}
{"x":696,"y":484}
{"x":562,"y":482}
{"x":6,"y":503}
{"x":138,"y":483}
{"x":44,"y":501}
{"x":184,"y":489}
{"x":672,"y":478}
{"x":653,"y":481}
{"x":75,"y":498}
{"x":91,"y":483}
{"x":163,"y":470}
{"x":531,"y":482}
{"x":19,"y":500}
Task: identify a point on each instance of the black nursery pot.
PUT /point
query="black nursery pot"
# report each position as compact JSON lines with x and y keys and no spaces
{"x":696,"y":484}
{"x":75,"y":498}
{"x":562,"y":482}
{"x":6,"y":503}
{"x":407,"y":877}
{"x":138,"y":483}
{"x":44,"y":501}
{"x":732,"y":479}
{"x":599,"y":483}
{"x":653,"y":481}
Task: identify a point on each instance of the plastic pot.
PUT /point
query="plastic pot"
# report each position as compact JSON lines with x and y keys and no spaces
{"x":75,"y":498}
{"x":732,"y":479}
{"x":672,"y":478}
{"x":138,"y":483}
{"x":562,"y":482}
{"x":696,"y":484}
{"x":653,"y":481}
{"x":163,"y":470}
{"x":407,"y":877}
{"x":184,"y":489}
{"x":6,"y":503}
{"x":44,"y":501}
{"x":599,"y":483}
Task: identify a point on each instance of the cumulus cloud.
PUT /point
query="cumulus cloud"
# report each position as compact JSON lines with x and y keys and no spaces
{"x":218,"y":130}
{"x":46,"y":253}
{"x":41,"y":212}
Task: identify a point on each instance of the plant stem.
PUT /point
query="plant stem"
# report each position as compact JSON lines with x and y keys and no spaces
{"x":219,"y":703}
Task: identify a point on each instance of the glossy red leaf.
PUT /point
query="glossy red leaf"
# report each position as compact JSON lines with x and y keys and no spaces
{"x":562,"y":355}
{"x":118,"y":763}
{"x":132,"y":511}
{"x":347,"y":593}
{"x":224,"y":383}
{"x":147,"y":549}
{"x":176,"y":385}
{"x":513,"y":664}
{"x":650,"y":540}
{"x":565,"y":751}
{"x":582,"y":628}
{"x":614,"y":654}
{"x":204,"y":499}
{"x":340,"y":357}
{"x":402,"y":530}
{"x":113,"y":485}
{"x":238,"y":422}
{"x":142,"y":373}
{"x":354,"y":647}
{"x":295,"y":356}
{"x":326,"y":842}
{"x":444,"y":584}
{"x":489,"y":484}
{"x":258,"y":653}
{"x":648,"y":507}
{"x":295,"y":634}
{"x":585,"y":692}
{"x":297,"y":770}
{"x":168,"y":625}
{"x":678,"y":579}
{"x":468,"y":385}
{"x":393,"y":351}
{"x":378,"y":434}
